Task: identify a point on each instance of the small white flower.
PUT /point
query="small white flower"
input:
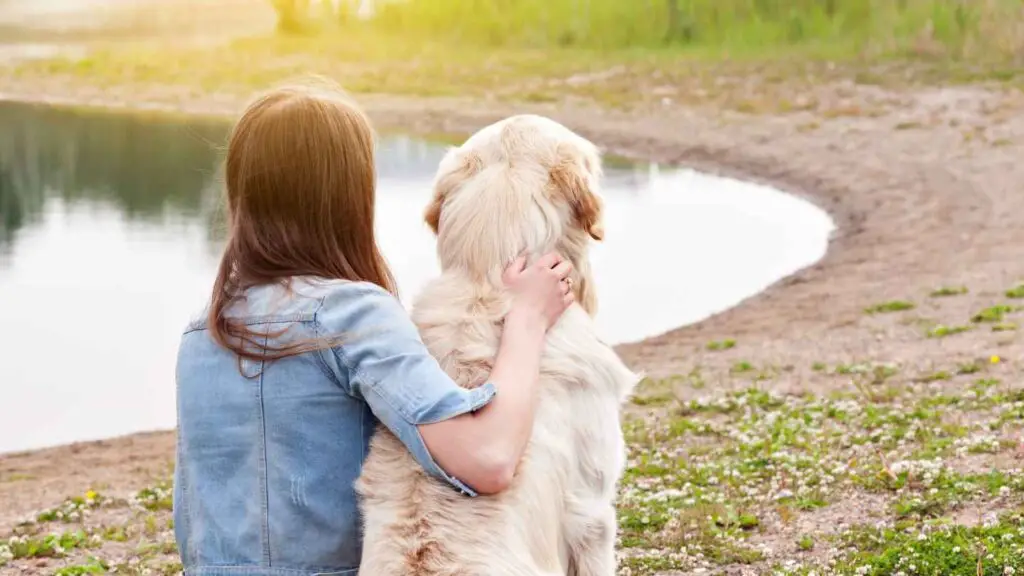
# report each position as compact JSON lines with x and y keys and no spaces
{"x":783,"y":494}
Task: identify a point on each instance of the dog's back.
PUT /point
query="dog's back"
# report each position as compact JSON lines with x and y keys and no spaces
{"x":416,"y":526}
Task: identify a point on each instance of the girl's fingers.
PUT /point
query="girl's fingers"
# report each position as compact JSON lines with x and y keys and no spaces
{"x":550,"y":260}
{"x":514,"y":269}
{"x":563,"y":269}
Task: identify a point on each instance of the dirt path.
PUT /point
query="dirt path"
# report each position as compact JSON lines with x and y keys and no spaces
{"x":926,"y":194}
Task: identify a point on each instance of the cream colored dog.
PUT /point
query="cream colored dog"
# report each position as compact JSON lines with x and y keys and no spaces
{"x":529,"y":183}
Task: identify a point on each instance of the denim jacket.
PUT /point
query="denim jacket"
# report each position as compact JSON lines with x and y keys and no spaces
{"x":265,"y":465}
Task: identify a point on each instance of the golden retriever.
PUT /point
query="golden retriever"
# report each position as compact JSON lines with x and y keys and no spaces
{"x":525,"y":183}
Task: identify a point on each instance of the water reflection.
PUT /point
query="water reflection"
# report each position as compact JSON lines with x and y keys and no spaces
{"x":143,"y":169}
{"x":109,"y":240}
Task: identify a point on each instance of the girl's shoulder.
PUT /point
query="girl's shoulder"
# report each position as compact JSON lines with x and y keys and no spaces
{"x":306,"y":299}
{"x":344,"y":305}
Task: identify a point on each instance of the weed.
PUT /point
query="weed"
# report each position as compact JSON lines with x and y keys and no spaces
{"x":908,"y":125}
{"x":992,"y":314}
{"x":50,"y":546}
{"x":942,"y":331}
{"x":721,"y":344}
{"x":968,"y":368}
{"x":741,"y":367}
{"x":992,"y":549}
{"x":946,"y":291}
{"x":158,"y":497}
{"x":935,"y":376}
{"x":92,"y":566}
{"x":72,"y":509}
{"x":888,"y":307}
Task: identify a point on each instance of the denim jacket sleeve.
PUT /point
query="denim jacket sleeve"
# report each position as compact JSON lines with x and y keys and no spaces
{"x":388,"y":366}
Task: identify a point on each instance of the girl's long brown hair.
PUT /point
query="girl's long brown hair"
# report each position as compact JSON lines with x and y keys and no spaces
{"x":300,"y":197}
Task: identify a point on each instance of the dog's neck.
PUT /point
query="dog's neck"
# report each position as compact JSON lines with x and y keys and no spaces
{"x":487,"y":267}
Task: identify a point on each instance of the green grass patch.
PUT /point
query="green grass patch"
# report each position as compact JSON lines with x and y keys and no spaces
{"x":91,"y":566}
{"x":989,"y":550}
{"x":49,"y":546}
{"x":742,"y":367}
{"x":947,"y":291}
{"x":155,"y":498}
{"x":73,"y":509}
{"x":935,"y":376}
{"x":1016,"y":292}
{"x":889,"y":307}
{"x":942,"y":331}
{"x":992,"y":313}
{"x":721,"y":344}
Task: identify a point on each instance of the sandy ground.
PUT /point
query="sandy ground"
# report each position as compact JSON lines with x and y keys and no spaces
{"x":926,"y":193}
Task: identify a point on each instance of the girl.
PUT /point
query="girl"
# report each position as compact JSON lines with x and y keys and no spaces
{"x":305,"y":349}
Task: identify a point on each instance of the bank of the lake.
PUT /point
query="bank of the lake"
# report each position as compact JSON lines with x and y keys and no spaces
{"x":878,"y":389}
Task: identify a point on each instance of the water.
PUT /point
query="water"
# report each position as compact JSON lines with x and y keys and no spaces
{"x":106,"y":251}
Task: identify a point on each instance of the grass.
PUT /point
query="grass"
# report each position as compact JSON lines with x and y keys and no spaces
{"x":709,"y":480}
{"x":73,"y":509}
{"x":994,"y":549}
{"x":155,"y":498}
{"x":942,"y":331}
{"x":49,"y":546}
{"x":1016,"y":292}
{"x":742,"y":367}
{"x":721,"y":344}
{"x":753,"y":57}
{"x":957,"y":29}
{"x":888,"y":307}
{"x":947,"y":291}
{"x":992,"y":313}
{"x":936,"y":376}
{"x":708,"y":485}
{"x":91,"y":566}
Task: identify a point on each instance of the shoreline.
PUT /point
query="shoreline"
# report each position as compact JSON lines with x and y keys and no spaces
{"x":444,"y":114}
{"x":381,"y":110}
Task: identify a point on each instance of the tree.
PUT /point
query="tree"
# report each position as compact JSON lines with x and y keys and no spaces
{"x":291,"y":14}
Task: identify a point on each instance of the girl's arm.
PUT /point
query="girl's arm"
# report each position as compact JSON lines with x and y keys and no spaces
{"x":473,"y":437}
{"x":484,"y":447}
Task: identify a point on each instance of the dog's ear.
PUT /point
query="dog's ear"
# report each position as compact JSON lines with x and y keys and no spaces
{"x":465,"y":167}
{"x":573,"y":180}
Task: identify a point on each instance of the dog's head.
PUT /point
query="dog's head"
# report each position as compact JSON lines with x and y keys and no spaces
{"x":526,"y":183}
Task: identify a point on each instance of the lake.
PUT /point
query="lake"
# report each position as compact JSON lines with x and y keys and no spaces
{"x":109,"y":242}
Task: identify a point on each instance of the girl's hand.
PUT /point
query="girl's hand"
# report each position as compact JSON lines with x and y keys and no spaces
{"x":542,"y":291}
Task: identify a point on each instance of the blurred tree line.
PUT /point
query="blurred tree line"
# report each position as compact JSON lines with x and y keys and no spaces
{"x":296,"y":16}
{"x":980,"y":26}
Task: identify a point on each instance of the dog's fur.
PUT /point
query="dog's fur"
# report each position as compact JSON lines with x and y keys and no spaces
{"x":525,"y":183}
